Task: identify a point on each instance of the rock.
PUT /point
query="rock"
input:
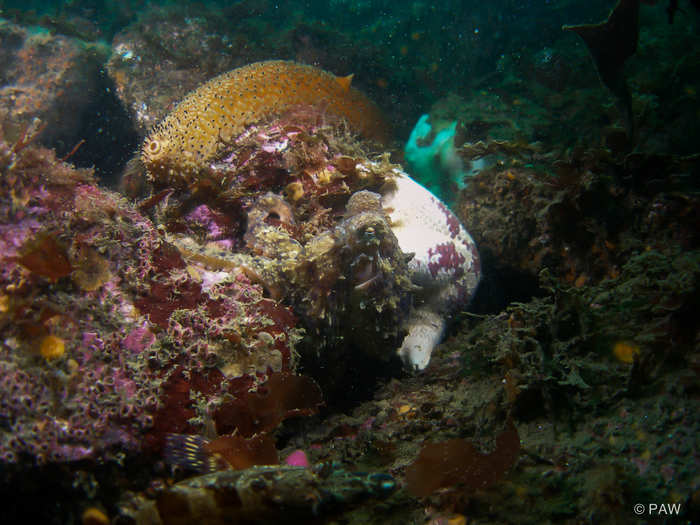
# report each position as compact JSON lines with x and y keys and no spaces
{"x":45,"y":76}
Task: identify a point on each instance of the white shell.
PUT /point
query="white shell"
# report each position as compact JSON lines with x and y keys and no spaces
{"x":445,"y":264}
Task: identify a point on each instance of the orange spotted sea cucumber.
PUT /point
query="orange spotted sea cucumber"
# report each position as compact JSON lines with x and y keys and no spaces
{"x":215,"y":113}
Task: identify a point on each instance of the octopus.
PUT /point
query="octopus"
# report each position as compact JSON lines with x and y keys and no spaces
{"x":366,"y":256}
{"x":351,"y":271}
{"x":258,"y":494}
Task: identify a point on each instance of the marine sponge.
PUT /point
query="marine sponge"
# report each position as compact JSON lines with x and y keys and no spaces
{"x":214,"y":114}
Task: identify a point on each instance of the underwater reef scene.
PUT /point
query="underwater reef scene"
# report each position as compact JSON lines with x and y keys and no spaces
{"x":349,"y":262}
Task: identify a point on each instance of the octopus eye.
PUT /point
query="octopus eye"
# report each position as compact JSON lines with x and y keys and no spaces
{"x":368,"y":235}
{"x":364,"y":232}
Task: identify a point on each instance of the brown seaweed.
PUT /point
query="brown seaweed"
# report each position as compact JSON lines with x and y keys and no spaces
{"x":458,"y":461}
{"x":610,"y":44}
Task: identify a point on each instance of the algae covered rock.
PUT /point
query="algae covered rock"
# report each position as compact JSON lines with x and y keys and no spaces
{"x":106,"y":329}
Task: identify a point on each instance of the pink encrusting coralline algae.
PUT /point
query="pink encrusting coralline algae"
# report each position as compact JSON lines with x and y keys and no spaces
{"x":91,"y":342}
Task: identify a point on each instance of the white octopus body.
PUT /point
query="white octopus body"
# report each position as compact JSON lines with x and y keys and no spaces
{"x":445,"y":263}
